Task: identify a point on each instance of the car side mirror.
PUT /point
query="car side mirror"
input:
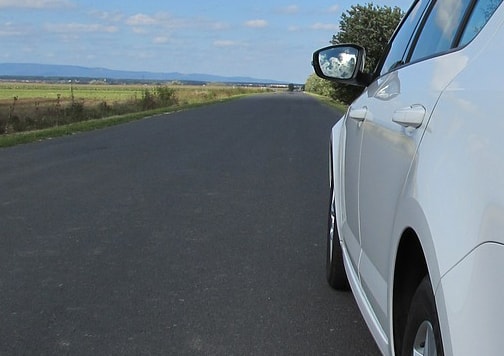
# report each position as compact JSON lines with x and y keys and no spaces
{"x":341,"y":63}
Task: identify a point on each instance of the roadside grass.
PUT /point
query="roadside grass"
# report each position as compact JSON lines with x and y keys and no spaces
{"x":73,"y":128}
{"x":331,"y":102}
{"x":32,"y":112}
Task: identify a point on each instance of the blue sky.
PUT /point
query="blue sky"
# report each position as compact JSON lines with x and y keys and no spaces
{"x":265,"y":39}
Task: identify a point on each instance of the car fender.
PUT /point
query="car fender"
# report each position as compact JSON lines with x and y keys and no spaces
{"x":411,"y":216}
{"x":336,"y":163}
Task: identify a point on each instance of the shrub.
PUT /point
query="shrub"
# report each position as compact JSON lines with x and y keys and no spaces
{"x":166,"y":95}
{"x":147,"y":101}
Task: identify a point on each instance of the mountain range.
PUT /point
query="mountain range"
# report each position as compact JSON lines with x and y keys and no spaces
{"x":69,"y":71}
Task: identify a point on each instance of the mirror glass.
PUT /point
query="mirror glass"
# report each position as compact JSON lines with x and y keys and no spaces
{"x":339,"y":63}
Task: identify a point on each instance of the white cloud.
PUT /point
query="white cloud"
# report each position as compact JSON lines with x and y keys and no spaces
{"x":142,"y":55}
{"x":141,"y":20}
{"x":225,"y":43}
{"x":334,"y":8}
{"x":69,"y":37}
{"x":162,"y":20}
{"x":36,"y":4}
{"x":8,"y":29}
{"x":290,"y":10}
{"x":139,"y":30}
{"x":219,"y":26}
{"x":8,"y":33}
{"x":79,"y":28}
{"x":256,"y":23}
{"x":107,"y":16}
{"x":161,"y":40}
{"x":325,"y":27}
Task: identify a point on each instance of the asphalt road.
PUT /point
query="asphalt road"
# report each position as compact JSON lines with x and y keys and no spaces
{"x":196,"y":233}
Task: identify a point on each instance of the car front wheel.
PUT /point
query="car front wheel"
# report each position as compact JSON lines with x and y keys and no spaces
{"x":422,"y":334}
{"x":335,"y":268}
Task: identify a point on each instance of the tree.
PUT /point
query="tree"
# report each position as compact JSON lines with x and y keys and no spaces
{"x":371,"y":27}
{"x":319,"y":86}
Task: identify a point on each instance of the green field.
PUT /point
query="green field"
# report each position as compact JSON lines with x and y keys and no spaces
{"x":36,"y":106}
{"x":30,"y":91}
{"x":110,"y":93}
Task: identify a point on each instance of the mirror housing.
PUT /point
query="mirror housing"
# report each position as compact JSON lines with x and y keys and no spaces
{"x":343,"y":63}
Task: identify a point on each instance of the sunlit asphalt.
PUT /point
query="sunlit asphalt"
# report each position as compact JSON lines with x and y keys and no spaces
{"x":196,"y":233}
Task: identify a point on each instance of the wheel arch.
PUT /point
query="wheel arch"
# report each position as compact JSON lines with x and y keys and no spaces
{"x":413,"y":256}
{"x":409,"y":270}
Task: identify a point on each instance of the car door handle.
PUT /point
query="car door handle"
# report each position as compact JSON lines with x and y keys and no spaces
{"x":411,"y":116}
{"x":358,"y":114}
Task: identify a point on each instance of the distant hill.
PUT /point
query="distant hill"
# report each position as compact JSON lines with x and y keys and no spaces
{"x":68,"y":71}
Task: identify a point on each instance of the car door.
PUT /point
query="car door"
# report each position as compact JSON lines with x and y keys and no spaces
{"x":358,"y":117}
{"x":397,"y":107}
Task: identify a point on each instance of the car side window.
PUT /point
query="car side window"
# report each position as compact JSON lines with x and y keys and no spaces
{"x":441,"y":28}
{"x":483,"y":10}
{"x":399,"y":45}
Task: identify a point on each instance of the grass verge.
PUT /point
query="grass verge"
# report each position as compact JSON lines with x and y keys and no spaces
{"x":13,"y":139}
{"x":328,"y":101}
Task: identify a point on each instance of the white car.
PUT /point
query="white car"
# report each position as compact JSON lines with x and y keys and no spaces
{"x":416,"y":220}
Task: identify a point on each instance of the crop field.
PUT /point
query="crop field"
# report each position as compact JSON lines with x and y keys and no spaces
{"x":33,"y":92}
{"x":28,"y":91}
{"x":34,"y":106}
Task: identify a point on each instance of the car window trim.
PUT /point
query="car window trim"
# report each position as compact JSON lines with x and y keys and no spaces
{"x":454,"y":47}
{"x":410,"y":41}
{"x":456,"y":40}
{"x":465,"y":21}
{"x":418,"y":32}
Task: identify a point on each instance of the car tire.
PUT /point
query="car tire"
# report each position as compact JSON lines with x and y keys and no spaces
{"x":422,"y":335}
{"x":335,"y":268}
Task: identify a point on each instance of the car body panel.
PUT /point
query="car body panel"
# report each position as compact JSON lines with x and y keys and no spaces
{"x":474,"y":314}
{"x":460,"y":187}
{"x":337,"y":154}
{"x":442,"y":179}
{"x":350,"y":193}
{"x":387,"y":155}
